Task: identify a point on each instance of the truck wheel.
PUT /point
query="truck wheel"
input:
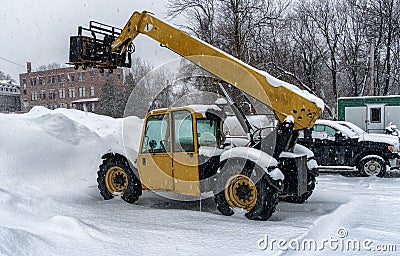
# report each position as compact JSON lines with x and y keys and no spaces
{"x":115,"y":177}
{"x":304,"y":197}
{"x":372,"y":166}
{"x":240,"y":190}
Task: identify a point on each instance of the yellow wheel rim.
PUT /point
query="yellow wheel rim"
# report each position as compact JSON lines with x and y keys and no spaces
{"x":240,"y":191}
{"x":116,"y":180}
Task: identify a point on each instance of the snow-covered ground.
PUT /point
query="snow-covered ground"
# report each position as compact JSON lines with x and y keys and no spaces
{"x":50,"y":204}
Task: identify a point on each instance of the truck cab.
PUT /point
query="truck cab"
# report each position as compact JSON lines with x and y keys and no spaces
{"x":343,"y":145}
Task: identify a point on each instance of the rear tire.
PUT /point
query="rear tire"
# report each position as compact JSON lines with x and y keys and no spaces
{"x":246,"y":189}
{"x":116,"y":177}
{"x":372,"y":166}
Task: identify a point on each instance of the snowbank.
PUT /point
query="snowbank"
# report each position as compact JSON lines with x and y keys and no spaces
{"x":56,"y":149}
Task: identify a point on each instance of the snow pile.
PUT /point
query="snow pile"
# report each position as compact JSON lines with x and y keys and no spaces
{"x":39,"y":146}
{"x":63,"y":147}
{"x":392,"y":129}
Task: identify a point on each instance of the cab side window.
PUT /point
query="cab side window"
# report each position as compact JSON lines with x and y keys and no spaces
{"x":330,"y":131}
{"x":323,"y":132}
{"x":207,"y":132}
{"x":156,"y":136}
{"x":182,"y":131}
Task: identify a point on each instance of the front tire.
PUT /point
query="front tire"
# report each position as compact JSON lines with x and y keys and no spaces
{"x":116,"y":177}
{"x":372,"y":166}
{"x":240,"y":187}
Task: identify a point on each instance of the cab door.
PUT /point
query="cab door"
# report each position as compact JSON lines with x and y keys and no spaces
{"x":185,"y":154}
{"x":155,"y":157}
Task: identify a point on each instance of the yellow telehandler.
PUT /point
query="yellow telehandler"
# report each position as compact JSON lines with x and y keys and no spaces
{"x":184,"y":150}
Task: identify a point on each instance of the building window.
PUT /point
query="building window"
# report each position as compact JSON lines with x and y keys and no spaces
{"x":33,"y":82}
{"x":81,"y":77}
{"x":91,"y":73}
{"x":24,"y":91}
{"x":92,"y":91}
{"x":24,"y":82}
{"x":82,"y":92}
{"x":42,"y":95}
{"x":375,"y":115}
{"x":71,"y":78}
{"x":41,"y":81}
{"x":52,"y":94}
{"x":61,"y":93}
{"x":71,"y":92}
{"x":60,"y":78}
{"x":51,"y":80}
{"x":119,"y":76}
{"x":33,"y":96}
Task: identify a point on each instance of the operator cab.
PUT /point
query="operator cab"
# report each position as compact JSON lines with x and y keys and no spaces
{"x":169,"y":158}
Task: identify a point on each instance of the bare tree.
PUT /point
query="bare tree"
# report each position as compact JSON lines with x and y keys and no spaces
{"x":383,"y":24}
{"x":355,"y":51}
{"x":200,"y":16}
{"x":49,"y":66}
{"x":4,"y":76}
{"x":326,"y":15}
{"x":324,"y":44}
{"x":243,"y":24}
{"x":113,"y":97}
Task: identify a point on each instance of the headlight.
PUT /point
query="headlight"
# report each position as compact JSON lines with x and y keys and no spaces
{"x":391,"y":148}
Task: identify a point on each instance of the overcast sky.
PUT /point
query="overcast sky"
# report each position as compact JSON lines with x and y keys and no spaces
{"x":38,"y":31}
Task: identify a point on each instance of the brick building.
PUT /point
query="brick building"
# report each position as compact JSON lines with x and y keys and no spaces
{"x":64,"y":88}
{"x":9,"y":97}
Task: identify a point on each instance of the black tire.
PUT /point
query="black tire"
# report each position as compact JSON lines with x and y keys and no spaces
{"x":123,"y":179}
{"x":304,"y":197}
{"x":267,"y":195}
{"x":372,"y":166}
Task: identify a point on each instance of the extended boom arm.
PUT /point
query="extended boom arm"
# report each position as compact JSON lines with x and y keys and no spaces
{"x":284,"y":99}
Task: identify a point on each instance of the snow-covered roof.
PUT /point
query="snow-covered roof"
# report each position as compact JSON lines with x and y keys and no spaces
{"x":352,"y":126}
{"x":9,"y":88}
{"x":202,"y":109}
{"x":345,"y":130}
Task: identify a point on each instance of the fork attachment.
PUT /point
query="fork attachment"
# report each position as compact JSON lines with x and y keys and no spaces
{"x":93,"y":49}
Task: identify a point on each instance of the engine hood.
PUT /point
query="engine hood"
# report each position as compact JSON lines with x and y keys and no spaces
{"x":374,"y":137}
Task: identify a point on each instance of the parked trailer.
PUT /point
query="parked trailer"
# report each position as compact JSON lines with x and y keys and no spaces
{"x":371,"y":113}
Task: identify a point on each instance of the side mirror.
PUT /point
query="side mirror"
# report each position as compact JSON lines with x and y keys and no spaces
{"x":307,"y":134}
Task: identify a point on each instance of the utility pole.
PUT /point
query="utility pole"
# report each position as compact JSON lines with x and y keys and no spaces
{"x":371,"y":68}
